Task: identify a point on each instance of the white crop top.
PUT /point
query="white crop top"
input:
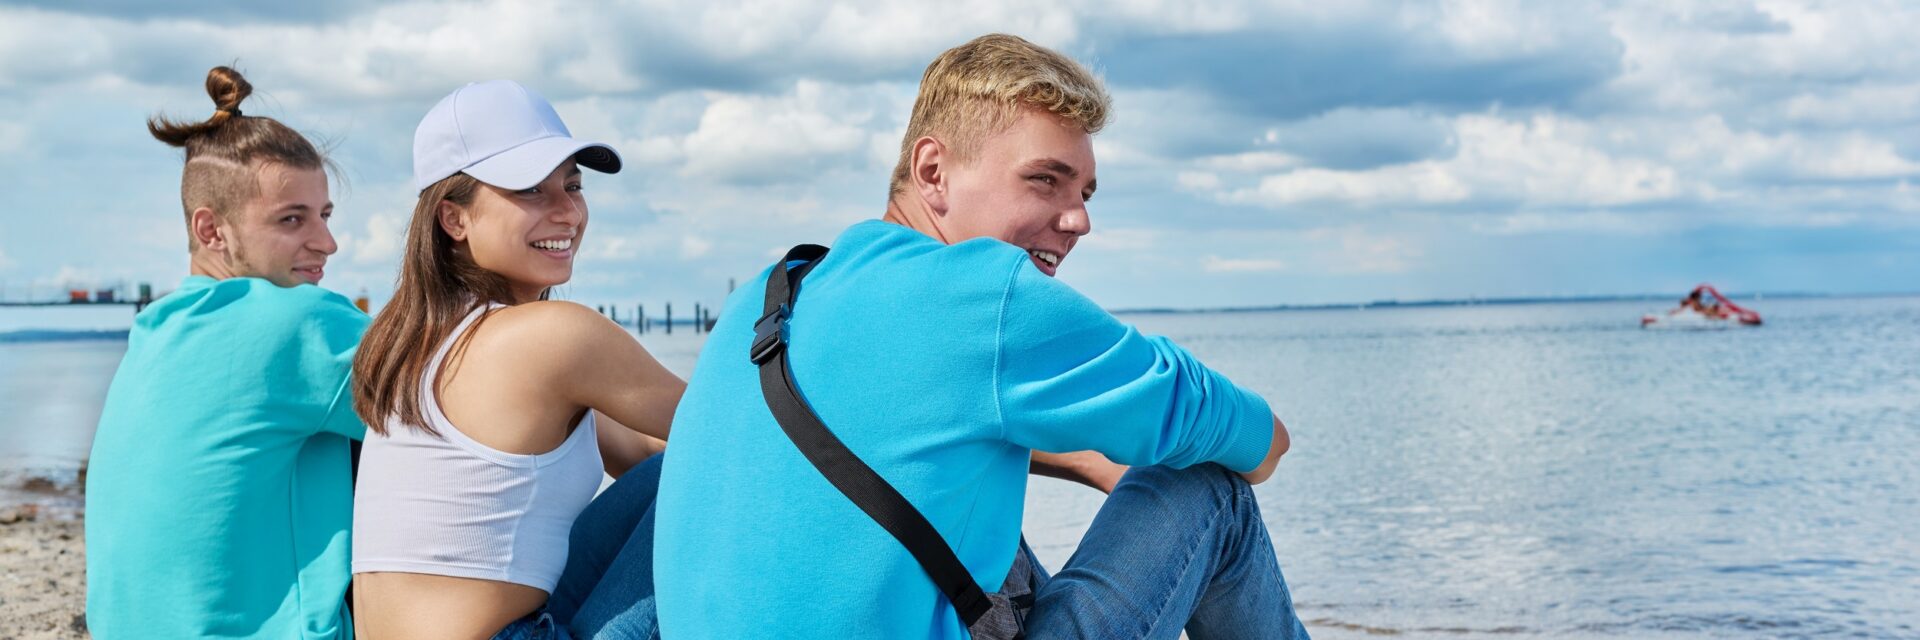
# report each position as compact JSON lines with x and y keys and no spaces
{"x":448,"y":505}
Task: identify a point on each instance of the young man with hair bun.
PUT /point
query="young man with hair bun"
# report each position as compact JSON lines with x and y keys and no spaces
{"x":219,"y":496}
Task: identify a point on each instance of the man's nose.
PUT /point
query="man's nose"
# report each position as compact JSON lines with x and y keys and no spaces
{"x":325,"y":244}
{"x":1075,"y":220}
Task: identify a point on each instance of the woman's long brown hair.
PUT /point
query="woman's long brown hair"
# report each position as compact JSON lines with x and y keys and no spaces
{"x":438,"y":286}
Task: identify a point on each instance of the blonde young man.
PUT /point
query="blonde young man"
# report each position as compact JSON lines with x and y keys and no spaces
{"x":937,"y":346}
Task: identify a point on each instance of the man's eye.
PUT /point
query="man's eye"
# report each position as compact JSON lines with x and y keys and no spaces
{"x":1050,"y":180}
{"x":529,"y":191}
{"x":290,"y":220}
{"x":575,"y":187}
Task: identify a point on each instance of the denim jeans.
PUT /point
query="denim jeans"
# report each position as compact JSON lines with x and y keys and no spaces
{"x":606,"y":589}
{"x":1170,"y":549}
{"x":539,"y":626}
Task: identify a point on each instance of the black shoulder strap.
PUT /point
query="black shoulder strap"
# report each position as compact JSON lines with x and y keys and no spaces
{"x":851,"y":476}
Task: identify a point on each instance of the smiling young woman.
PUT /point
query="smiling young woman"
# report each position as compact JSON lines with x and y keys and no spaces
{"x":494,"y":410}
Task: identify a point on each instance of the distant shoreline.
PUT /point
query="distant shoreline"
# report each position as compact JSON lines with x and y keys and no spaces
{"x":36,"y":335}
{"x":1508,"y":301}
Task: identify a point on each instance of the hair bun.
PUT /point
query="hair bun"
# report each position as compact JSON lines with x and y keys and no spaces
{"x":227,"y":88}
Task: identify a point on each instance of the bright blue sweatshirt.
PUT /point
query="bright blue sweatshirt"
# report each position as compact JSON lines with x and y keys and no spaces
{"x":942,"y":367}
{"x":219,"y":497}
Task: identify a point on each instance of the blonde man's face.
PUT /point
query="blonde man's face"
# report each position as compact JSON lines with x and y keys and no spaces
{"x":1027,"y":186}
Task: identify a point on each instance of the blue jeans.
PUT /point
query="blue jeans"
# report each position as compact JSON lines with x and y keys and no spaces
{"x":606,"y":589}
{"x":539,"y":626}
{"x":1170,"y":549}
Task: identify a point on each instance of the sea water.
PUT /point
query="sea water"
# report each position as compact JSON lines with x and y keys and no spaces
{"x":1540,"y":470}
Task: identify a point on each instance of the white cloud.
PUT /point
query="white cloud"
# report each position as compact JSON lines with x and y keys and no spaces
{"x":1217,"y":264}
{"x":628,"y":244}
{"x":1249,"y":161}
{"x":1557,"y":161}
{"x":70,"y":276}
{"x":795,"y":136}
{"x":1362,"y":251}
{"x":1423,"y":183}
{"x":421,"y":49}
{"x":748,"y":126}
{"x":385,"y":236}
{"x":695,"y":247}
{"x":1610,"y":222}
{"x":13,"y":137}
{"x":754,"y":138}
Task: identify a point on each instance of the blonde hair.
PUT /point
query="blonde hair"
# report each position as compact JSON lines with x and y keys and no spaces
{"x":978,"y":89}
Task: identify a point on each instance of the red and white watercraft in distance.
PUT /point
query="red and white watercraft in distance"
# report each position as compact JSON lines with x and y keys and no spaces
{"x":1693,"y":313}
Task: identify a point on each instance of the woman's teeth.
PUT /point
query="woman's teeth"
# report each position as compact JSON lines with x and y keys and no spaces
{"x":554,"y":245}
{"x":1052,"y":259}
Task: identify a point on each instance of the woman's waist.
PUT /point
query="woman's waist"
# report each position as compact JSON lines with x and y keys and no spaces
{"x":400,"y":604}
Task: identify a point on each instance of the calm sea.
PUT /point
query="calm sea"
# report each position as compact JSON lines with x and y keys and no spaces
{"x":1491,"y":471}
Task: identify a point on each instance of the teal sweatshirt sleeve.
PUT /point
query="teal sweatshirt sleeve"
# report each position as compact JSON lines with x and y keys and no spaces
{"x":1071,"y":377}
{"x":321,"y":354}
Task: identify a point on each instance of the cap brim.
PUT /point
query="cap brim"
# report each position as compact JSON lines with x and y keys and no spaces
{"x":526,"y":165}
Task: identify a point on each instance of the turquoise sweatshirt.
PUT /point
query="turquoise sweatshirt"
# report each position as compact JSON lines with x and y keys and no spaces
{"x":942,"y":367}
{"x":219,"y":497}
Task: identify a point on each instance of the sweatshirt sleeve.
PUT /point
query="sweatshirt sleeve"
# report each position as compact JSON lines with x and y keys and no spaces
{"x":330,"y":337}
{"x":1071,"y":377}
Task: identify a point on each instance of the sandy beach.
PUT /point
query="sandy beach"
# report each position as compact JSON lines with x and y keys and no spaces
{"x":43,"y":578}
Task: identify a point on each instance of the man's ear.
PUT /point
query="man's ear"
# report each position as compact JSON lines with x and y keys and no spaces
{"x":453,"y":220}
{"x":204,"y":226}
{"x":928,"y":171}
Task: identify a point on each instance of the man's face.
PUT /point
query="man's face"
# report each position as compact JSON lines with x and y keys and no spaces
{"x":1028,"y":186}
{"x":281,"y":234}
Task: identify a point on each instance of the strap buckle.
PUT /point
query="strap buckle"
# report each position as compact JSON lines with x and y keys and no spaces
{"x":770,"y":334}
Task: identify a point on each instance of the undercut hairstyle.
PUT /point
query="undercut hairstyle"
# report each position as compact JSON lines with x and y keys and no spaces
{"x":978,"y":89}
{"x":225,"y":151}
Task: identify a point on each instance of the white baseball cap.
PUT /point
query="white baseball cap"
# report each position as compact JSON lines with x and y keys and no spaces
{"x":502,"y":134}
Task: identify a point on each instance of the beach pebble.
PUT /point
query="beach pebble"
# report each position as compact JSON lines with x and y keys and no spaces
{"x":22,"y":513}
{"x":39,"y":484}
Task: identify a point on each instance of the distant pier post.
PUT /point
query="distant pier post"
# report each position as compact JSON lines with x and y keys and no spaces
{"x":640,"y":318}
{"x":668,"y":321}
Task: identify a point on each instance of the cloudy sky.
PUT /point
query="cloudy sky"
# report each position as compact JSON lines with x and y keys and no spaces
{"x":1273,"y":152}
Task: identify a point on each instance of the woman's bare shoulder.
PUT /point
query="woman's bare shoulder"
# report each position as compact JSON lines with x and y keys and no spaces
{"x":546,"y":331}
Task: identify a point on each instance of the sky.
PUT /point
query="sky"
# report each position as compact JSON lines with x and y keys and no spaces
{"x":1259,"y":153}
